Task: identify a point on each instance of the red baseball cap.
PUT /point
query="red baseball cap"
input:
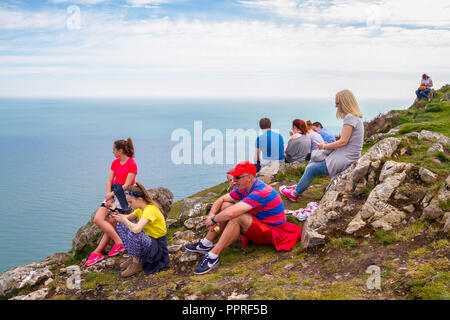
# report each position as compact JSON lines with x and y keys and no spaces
{"x":243,"y":167}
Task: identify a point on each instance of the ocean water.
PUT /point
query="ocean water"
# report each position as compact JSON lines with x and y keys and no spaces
{"x":55,"y":155}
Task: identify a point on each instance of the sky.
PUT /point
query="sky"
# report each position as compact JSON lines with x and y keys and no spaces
{"x":221,"y":48}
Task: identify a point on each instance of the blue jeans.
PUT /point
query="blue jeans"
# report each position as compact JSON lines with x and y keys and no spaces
{"x":313,"y":169}
{"x":422,"y":94}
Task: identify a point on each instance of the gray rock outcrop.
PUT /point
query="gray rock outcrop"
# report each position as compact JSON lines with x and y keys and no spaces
{"x":339,"y":210}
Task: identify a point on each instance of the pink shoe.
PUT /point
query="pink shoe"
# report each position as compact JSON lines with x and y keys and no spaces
{"x":93,"y":258}
{"x":116,"y":249}
{"x":288,"y":193}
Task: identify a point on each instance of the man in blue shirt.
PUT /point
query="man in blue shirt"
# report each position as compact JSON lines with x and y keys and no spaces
{"x":326,"y":135}
{"x":270,"y":144}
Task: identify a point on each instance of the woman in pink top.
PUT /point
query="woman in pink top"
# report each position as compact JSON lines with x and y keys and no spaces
{"x":123,"y":171}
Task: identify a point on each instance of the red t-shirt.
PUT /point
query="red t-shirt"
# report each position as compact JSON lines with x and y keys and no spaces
{"x":121,"y":171}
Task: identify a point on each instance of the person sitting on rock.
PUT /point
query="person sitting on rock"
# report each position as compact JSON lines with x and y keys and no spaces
{"x":425,"y":88}
{"x":253,"y":210}
{"x":346,"y":150}
{"x":269,"y":145}
{"x":327,"y":136}
{"x":123,"y":172}
{"x":299,"y":145}
{"x":314,"y":136}
{"x":143,"y":233}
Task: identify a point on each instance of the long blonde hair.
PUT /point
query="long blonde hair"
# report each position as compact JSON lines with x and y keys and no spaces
{"x":348,"y":104}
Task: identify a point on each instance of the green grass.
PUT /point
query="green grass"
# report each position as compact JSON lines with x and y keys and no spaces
{"x":386,"y":237}
{"x":341,"y":243}
{"x":432,"y":116}
{"x":429,"y":281}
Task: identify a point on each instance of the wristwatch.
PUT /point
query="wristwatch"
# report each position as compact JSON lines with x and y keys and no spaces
{"x":212,"y":219}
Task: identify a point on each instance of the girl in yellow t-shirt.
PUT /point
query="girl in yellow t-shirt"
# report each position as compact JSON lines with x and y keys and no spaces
{"x":143,"y":233}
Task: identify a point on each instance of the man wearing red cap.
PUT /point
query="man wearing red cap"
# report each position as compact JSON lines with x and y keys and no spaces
{"x":252,"y":210}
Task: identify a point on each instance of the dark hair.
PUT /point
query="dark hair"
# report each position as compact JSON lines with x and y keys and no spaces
{"x":301,"y":125}
{"x":126,"y":146}
{"x":317,"y":124}
{"x":425,"y":76}
{"x":265,"y":123}
{"x":139,"y":189}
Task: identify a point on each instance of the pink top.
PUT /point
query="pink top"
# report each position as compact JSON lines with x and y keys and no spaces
{"x":121,"y":171}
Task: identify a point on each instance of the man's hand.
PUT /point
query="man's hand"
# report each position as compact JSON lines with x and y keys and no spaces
{"x":209,"y":223}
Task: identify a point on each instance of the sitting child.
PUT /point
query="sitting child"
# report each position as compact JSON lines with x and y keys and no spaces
{"x":143,"y":233}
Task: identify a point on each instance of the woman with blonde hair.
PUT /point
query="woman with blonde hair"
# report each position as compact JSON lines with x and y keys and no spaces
{"x":143,"y":233}
{"x":345,"y":151}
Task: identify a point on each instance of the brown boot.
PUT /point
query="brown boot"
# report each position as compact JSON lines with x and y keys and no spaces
{"x":132,"y":269}
{"x":126,"y":264}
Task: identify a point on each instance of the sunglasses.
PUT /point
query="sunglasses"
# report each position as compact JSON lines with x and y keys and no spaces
{"x":240,"y":177}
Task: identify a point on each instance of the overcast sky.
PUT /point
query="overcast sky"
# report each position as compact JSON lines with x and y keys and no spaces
{"x":222,"y":48}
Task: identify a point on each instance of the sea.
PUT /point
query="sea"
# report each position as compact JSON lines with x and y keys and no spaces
{"x":55,"y":155}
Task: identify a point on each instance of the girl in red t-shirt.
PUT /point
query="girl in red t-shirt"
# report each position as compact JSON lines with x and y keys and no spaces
{"x":123,"y":171}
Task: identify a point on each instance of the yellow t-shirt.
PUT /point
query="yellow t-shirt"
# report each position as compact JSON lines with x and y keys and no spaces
{"x":156,"y":225}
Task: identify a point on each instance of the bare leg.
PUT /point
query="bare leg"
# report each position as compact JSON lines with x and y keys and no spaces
{"x":107,"y":227}
{"x":104,"y":241}
{"x":233,"y":230}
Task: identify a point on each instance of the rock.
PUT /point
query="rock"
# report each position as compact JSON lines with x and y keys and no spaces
{"x":291,"y":167}
{"x":426,"y":199}
{"x":446,"y":222}
{"x":183,"y":235}
{"x":188,"y":257}
{"x":87,"y":235}
{"x":311,"y":238}
{"x":444,"y":192}
{"x":376,"y":202}
{"x":194,"y":222}
{"x":174,"y":248}
{"x":427,"y":176}
{"x":410,"y":208}
{"x":411,"y":134}
{"x":375,"y":137}
{"x":235,"y":296}
{"x":345,"y":182}
{"x":433,"y":136}
{"x":269,"y":170}
{"x":289,"y":266}
{"x":432,"y":210}
{"x":35,"y":295}
{"x":356,"y":224}
{"x":393,"y":167}
{"x":387,"y":221}
{"x":164,"y":198}
{"x":58,"y":258}
{"x":19,"y":277}
{"x":192,"y":207}
{"x":382,"y":149}
{"x":437,"y":147}
{"x":360,"y":171}
{"x":170,"y":222}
